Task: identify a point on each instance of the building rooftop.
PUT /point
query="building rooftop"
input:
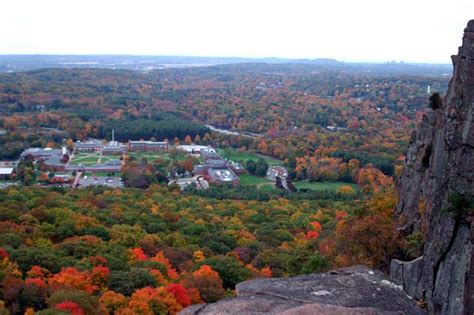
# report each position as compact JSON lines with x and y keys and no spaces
{"x":222,"y":175}
{"x":6,"y":170}
{"x":216,"y":164}
{"x":88,"y":144}
{"x":195,"y":148}
{"x":118,"y":148}
{"x":54,"y":160}
{"x":41,"y":152}
{"x":108,"y":181}
{"x":142,"y":142}
{"x":210,"y":155}
{"x":279,"y":171}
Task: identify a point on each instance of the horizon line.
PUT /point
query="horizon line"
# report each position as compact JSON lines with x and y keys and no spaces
{"x":387,"y":61}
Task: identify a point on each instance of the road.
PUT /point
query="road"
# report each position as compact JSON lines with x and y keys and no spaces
{"x":236,"y":133}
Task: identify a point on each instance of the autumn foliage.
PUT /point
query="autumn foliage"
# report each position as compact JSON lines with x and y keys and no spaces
{"x":102,"y":251}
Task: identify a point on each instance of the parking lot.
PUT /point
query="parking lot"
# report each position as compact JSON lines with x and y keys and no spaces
{"x":109,"y":181}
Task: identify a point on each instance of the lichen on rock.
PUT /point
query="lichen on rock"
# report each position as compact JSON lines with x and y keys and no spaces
{"x":346,"y":291}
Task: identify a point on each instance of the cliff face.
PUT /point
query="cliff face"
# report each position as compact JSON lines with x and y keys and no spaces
{"x":436,"y":190}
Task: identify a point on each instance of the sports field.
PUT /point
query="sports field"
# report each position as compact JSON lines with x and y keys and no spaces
{"x":243,"y":156}
{"x":322,"y":186}
{"x":259,"y":182}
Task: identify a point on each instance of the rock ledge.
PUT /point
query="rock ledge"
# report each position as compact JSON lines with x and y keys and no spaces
{"x":347,"y":291}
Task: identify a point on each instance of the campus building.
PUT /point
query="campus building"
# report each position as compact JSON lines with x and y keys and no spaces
{"x":216,"y":170}
{"x":222,"y":176}
{"x":113,"y":166}
{"x":7,"y":169}
{"x":54,"y":164}
{"x":40,"y":154}
{"x":148,"y":146}
{"x":277,"y":171}
{"x":91,"y":145}
{"x":114,"y":148}
{"x":194,"y":149}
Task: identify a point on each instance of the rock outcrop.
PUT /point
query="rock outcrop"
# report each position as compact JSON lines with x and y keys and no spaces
{"x":436,"y":190}
{"x":348,"y":291}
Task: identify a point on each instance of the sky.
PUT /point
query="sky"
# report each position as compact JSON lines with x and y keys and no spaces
{"x":346,"y":30}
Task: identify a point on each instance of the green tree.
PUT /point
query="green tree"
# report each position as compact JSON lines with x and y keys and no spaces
{"x":251,"y":166}
{"x":126,"y":282}
{"x":26,"y":171}
{"x":262,"y":167}
{"x":230,"y":270}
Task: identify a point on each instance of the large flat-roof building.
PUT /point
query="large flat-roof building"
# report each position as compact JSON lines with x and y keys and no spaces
{"x":198,"y":181}
{"x":216,"y":164}
{"x":114,"y":148}
{"x":208,"y":155}
{"x":222,"y":176}
{"x":91,"y":145}
{"x":237,"y":168}
{"x":108,"y":167}
{"x":41,"y":154}
{"x":148,"y":146}
{"x":7,"y":169}
{"x":54,"y":164}
{"x":194,"y":149}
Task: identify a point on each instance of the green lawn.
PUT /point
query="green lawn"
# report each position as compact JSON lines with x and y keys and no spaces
{"x":259,"y":182}
{"x":109,"y":158}
{"x":330,"y":186}
{"x":85,"y":158}
{"x":235,"y":155}
{"x":148,"y":155}
{"x":265,"y":184}
{"x":105,"y":174}
{"x":151,"y":156}
{"x":266,"y":187}
{"x":91,"y":159}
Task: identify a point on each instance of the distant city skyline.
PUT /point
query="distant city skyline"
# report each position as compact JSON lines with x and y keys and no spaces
{"x":363,"y":31}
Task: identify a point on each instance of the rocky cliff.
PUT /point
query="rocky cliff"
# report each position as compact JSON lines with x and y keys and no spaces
{"x":436,"y":190}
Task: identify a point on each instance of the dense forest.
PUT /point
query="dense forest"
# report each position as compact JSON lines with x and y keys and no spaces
{"x":131,"y":251}
{"x":160,"y":126}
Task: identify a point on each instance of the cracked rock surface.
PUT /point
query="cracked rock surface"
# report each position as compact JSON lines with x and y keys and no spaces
{"x":440,"y":165}
{"x":347,"y":291}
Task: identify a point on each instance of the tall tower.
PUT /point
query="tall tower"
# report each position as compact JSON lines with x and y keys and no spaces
{"x":428,"y":89}
{"x":113,"y":135}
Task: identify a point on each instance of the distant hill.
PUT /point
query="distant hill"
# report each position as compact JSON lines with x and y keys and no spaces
{"x":19,"y":63}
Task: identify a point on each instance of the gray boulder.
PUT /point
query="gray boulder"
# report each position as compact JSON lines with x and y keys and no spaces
{"x":347,"y":291}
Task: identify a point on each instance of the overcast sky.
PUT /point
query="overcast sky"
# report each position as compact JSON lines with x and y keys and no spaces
{"x":349,"y":30}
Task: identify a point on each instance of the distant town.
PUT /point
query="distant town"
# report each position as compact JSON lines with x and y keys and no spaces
{"x":97,"y":162}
